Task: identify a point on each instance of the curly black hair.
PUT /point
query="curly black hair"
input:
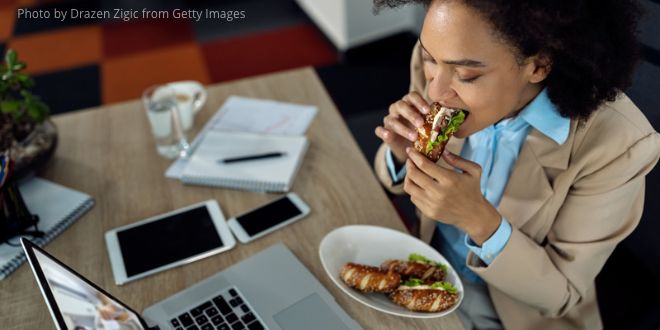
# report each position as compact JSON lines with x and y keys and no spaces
{"x":592,"y":44}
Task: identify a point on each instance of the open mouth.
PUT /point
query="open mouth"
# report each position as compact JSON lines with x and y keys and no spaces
{"x":465,"y":111}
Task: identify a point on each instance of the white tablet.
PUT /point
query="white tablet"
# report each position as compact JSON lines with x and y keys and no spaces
{"x":167,"y":240}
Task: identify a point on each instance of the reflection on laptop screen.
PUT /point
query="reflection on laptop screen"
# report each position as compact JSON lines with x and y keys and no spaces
{"x":82,"y":306}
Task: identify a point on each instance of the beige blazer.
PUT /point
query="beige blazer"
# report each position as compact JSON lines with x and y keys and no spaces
{"x":569,"y":206}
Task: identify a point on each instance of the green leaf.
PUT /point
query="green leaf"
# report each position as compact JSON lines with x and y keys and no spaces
{"x":413,"y":282}
{"x":12,"y":81}
{"x":22,"y":77}
{"x":445,"y":286}
{"x":441,"y":266}
{"x":44,"y":109}
{"x":10,"y":58}
{"x":25,"y":80}
{"x":36,"y":109}
{"x":419,"y":258}
{"x":422,"y":259}
{"x":454,"y":123}
{"x":33,"y":111}
{"x":10,"y":106}
{"x":26,"y":94}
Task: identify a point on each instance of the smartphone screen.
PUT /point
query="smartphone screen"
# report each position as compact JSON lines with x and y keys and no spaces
{"x":268,"y":216}
{"x":168,"y":240}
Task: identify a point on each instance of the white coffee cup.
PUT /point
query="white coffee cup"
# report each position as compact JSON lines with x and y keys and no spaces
{"x":191,"y":97}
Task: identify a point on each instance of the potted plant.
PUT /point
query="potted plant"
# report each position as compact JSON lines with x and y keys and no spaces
{"x":25,"y":129}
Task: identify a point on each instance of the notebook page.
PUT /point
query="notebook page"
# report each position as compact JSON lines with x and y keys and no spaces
{"x":220,"y":145}
{"x":240,"y":114}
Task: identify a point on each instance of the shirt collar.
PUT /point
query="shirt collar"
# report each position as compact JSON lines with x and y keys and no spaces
{"x":543,"y":115}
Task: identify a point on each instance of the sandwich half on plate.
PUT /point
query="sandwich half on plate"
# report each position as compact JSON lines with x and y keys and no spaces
{"x":419,"y":297}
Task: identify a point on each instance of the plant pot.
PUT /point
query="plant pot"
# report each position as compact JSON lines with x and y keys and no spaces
{"x":33,"y":152}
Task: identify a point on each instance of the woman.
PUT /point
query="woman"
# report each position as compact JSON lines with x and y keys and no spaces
{"x":546,"y":175}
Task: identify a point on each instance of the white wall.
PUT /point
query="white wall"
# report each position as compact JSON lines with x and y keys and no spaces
{"x":349,"y":23}
{"x":364,"y":26}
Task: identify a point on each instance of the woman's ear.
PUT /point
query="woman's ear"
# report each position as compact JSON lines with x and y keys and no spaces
{"x":541,"y":67}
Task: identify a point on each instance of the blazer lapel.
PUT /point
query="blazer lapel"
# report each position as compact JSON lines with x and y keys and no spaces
{"x":528,"y":187}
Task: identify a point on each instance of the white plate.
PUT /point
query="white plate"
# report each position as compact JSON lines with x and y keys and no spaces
{"x":371,"y":245}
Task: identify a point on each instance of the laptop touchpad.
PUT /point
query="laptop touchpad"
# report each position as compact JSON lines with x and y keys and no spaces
{"x":310,"y":312}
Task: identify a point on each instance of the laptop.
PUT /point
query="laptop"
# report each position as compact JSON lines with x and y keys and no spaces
{"x":269,"y":290}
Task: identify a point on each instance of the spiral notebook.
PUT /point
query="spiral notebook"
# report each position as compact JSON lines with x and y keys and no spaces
{"x":57,"y":207}
{"x":271,"y":174}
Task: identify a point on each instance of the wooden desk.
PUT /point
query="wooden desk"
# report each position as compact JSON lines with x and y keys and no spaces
{"x":109,"y":153}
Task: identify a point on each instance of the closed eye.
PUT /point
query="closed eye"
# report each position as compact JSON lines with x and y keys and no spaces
{"x":468,"y":80}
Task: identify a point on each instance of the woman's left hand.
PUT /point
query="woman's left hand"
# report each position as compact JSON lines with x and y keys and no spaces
{"x":451,"y":197}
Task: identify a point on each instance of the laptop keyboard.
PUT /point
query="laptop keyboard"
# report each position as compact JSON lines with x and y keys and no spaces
{"x":227,"y":311}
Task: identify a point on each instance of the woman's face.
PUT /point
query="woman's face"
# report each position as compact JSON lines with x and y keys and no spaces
{"x":469,"y":67}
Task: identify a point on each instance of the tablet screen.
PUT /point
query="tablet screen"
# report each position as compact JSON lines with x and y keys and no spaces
{"x":168,"y":240}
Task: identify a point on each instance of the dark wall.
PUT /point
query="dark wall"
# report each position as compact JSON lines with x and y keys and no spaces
{"x":629,"y":284}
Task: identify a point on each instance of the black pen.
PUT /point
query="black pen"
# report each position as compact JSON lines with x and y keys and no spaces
{"x":251,"y":157}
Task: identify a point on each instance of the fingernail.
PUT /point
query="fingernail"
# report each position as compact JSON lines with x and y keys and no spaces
{"x":419,"y":122}
{"x":407,"y":150}
{"x":449,"y":154}
{"x":412,"y":135}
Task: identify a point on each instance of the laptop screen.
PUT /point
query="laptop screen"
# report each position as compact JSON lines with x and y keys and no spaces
{"x":76,"y":303}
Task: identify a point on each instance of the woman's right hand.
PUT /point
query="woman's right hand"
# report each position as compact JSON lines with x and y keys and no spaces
{"x":399,"y":128}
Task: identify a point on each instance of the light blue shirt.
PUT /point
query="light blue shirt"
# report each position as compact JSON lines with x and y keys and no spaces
{"x":495,"y":149}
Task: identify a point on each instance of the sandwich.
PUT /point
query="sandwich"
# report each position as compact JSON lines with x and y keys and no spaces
{"x":419,"y":297}
{"x":417,"y":266}
{"x":439,"y":125}
{"x":369,"y":279}
{"x":417,"y":284}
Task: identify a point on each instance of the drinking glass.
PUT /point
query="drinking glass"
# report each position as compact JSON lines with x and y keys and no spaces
{"x":166,"y":121}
